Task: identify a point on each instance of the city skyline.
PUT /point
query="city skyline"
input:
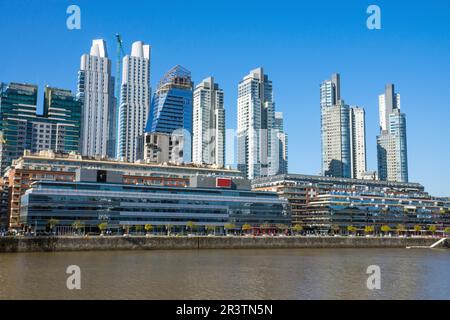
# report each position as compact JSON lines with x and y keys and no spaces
{"x":301,"y":116}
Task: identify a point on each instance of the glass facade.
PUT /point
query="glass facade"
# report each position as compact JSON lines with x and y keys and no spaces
{"x":126,"y":205}
{"x":171,"y":107}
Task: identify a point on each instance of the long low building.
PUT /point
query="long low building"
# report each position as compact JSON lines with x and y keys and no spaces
{"x":325,"y":204}
{"x":99,"y":196}
{"x":51,"y":166}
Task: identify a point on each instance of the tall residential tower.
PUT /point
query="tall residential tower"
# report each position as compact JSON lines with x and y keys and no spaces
{"x":96,"y":91}
{"x":392,"y":148}
{"x":257,"y":138}
{"x":135,"y":100}
{"x":208,"y":124}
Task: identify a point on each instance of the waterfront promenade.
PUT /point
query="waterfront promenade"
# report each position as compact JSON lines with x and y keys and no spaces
{"x":94,"y":243}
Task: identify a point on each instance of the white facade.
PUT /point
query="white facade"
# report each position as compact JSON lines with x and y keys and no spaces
{"x":257,"y":149}
{"x":358,"y":142}
{"x":135,"y":100}
{"x":386,"y":106}
{"x":208,"y":124}
{"x":96,"y":90}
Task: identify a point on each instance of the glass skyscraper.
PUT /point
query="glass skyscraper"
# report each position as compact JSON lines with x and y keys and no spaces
{"x":171,"y":107}
{"x":21,"y":128}
{"x":392,"y":151}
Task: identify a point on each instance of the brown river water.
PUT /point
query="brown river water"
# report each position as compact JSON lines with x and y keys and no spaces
{"x":228,"y":274}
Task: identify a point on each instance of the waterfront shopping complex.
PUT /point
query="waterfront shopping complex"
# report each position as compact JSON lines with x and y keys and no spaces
{"x":74,"y":191}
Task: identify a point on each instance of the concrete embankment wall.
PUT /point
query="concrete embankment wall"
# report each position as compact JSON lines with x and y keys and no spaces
{"x":52,"y":244}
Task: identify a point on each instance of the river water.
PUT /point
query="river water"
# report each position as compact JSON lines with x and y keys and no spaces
{"x":228,"y":274}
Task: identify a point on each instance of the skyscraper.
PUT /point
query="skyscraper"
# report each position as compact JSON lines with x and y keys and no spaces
{"x":335,"y":130}
{"x":135,"y":100}
{"x":21,"y":128}
{"x":392,"y":149}
{"x":282,"y":144}
{"x":96,"y":91}
{"x":171,"y":108}
{"x":257,"y":139}
{"x":358,"y":142}
{"x":208,"y":124}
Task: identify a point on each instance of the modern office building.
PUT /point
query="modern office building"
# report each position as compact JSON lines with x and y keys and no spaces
{"x":256,"y":134}
{"x":135,"y":100}
{"x":335,"y":130}
{"x":282,"y":144}
{"x":21,"y":128}
{"x":392,"y":151}
{"x":208,"y":124}
{"x":98,"y":196}
{"x":357,"y":142}
{"x":171,"y":107}
{"x":96,"y":91}
{"x":326,"y":204}
{"x":51,"y":166}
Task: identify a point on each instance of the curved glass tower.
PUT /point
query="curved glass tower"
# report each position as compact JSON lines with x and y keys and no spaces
{"x":171,"y":107}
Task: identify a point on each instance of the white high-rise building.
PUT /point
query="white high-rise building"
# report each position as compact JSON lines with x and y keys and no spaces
{"x":387,"y":102}
{"x":96,"y":91}
{"x":208,"y":124}
{"x":135,"y":100}
{"x":358,"y":142}
{"x":335,"y":130}
{"x":257,"y":140}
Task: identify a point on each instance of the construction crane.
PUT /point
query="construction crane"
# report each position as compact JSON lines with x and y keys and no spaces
{"x":120,"y":54}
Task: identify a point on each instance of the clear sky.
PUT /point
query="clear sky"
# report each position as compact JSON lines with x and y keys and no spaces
{"x":299,"y":44}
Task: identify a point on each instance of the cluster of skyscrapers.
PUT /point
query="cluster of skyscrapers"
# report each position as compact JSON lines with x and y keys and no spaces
{"x":181,"y":123}
{"x":344,"y":136}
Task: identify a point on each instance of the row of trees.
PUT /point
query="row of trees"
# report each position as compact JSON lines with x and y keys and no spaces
{"x":192,"y":227}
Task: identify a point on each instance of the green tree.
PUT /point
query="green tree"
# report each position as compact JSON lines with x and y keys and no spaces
{"x":447,"y":230}
{"x":102,"y":227}
{"x":385,"y":229}
{"x":78,"y":225}
{"x":138,"y":228}
{"x":148,"y":227}
{"x":190,"y":225}
{"x":369,"y":229}
{"x":417,"y":228}
{"x":335,"y":229}
{"x":210,"y":228}
{"x":401,"y":228}
{"x":297,"y":228}
{"x":351,"y":229}
{"x":228,"y":227}
{"x":432,"y":229}
{"x":281,"y":227}
{"x":246,"y":227}
{"x":52,"y":223}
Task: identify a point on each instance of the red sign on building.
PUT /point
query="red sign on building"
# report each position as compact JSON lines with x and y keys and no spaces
{"x":223,"y":182}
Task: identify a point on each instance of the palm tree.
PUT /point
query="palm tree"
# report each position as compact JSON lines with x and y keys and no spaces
{"x":385,"y":229}
{"x":52,"y":223}
{"x":228,"y":227}
{"x":297,"y":228}
{"x":190,"y":225}
{"x":102,"y":227}
{"x":246,"y":227}
{"x":148,"y":228}
{"x":417,"y":228}
{"x":77,"y":225}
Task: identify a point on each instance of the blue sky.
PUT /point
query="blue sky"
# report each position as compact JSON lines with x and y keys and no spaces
{"x":298,"y":43}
